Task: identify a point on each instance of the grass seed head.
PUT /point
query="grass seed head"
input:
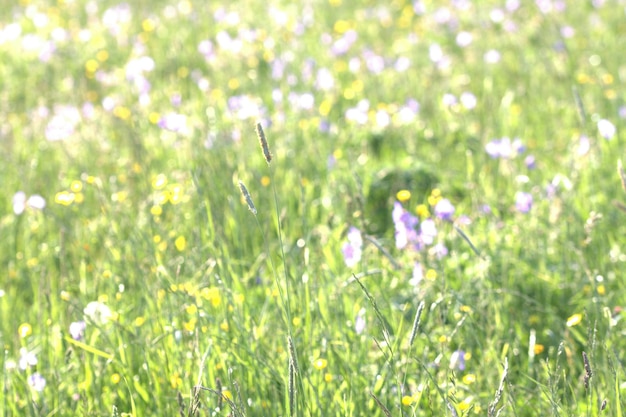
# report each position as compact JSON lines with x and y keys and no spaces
{"x":263,"y":141}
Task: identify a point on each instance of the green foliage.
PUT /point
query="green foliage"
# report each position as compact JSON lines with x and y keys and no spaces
{"x":193,"y":305}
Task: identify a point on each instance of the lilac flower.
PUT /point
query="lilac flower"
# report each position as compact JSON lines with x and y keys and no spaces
{"x":63,"y":123}
{"x":457,"y":360}
{"x":343,"y":44}
{"x":606,"y":128}
{"x":405,"y":224}
{"x":173,"y":122}
{"x":37,"y":382}
{"x":530,"y":162}
{"x":523,"y":201}
{"x":374,"y":63}
{"x":504,"y":148}
{"x":444,"y":209}
{"x":352,"y":249}
{"x":77,"y":330}
{"x":359,"y":322}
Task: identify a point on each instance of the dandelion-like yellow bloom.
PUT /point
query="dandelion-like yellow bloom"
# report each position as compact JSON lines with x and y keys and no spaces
{"x":116,"y":378}
{"x":469,"y":379}
{"x":320,"y":363}
{"x":180,"y":243}
{"x":64,"y":198}
{"x":159,"y":182}
{"x":25,"y":330}
{"x":538,"y":349}
{"x":574,"y":320}
{"x":422,"y":211}
{"x":408,"y":400}
{"x":403,"y":196}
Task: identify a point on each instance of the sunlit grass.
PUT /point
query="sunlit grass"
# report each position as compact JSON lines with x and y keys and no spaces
{"x":439,"y":231}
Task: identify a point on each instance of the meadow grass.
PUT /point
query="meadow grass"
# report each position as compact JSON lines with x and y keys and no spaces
{"x":139,"y":278}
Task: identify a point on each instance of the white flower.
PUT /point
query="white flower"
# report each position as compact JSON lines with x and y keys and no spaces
{"x":98,"y":313}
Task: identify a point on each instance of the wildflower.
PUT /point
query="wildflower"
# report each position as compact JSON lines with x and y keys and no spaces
{"x":352,"y":249}
{"x":444,"y":209}
{"x":468,"y":100}
{"x":403,"y":195}
{"x":25,"y":330}
{"x":173,"y":122}
{"x":418,"y":274}
{"x":37,"y":382}
{"x":405,"y":224}
{"x":20,"y":202}
{"x":464,"y":39}
{"x":98,"y":312}
{"x":530,"y":162}
{"x":574,"y":320}
{"x":492,"y":56}
{"x":523,"y":201}
{"x":428,"y":232}
{"x":63,"y":123}
{"x":77,"y":330}
{"x":359,"y":322}
{"x":457,"y":360}
{"x":320,"y":363}
{"x":505,"y":148}
{"x":27,"y":359}
{"x":606,"y":128}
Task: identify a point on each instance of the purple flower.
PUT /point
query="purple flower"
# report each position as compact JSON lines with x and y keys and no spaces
{"x":523,"y":201}
{"x":530,"y":162}
{"x":37,"y":382}
{"x":77,"y":330}
{"x":444,"y":209}
{"x":359,"y":322}
{"x":173,"y":122}
{"x":352,"y":249}
{"x":457,"y":360}
{"x":405,"y":224}
{"x":505,"y":148}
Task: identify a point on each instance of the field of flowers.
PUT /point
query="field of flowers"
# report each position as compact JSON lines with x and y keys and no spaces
{"x":312,"y":208}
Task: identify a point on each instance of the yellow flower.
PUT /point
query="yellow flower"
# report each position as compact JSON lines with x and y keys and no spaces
{"x":469,"y":379}
{"x":574,"y":320}
{"x":408,"y":400}
{"x":25,"y":330}
{"x":403,"y":196}
{"x":116,"y":378}
{"x":320,"y":363}
{"x":538,"y":349}
{"x":180,"y":243}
